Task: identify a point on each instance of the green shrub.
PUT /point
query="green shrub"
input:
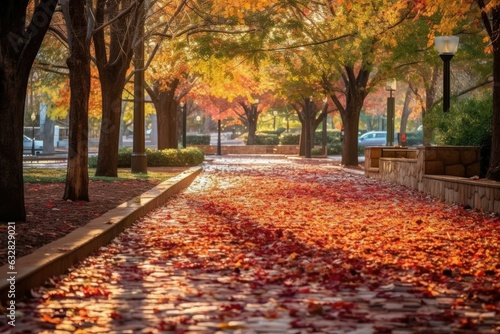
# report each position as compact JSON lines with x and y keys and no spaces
{"x":266,"y":139}
{"x":332,"y":136}
{"x":290,"y":139}
{"x":159,"y":158}
{"x":198,"y":139}
{"x":467,"y":123}
{"x":414,"y":138}
{"x":317,"y":151}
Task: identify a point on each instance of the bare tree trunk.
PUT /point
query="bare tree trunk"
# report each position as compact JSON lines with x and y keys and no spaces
{"x":77,"y":177}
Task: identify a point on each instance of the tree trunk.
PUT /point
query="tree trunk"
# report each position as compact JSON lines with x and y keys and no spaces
{"x":252,"y":130}
{"x":18,"y":48}
{"x":77,"y":177}
{"x":350,"y":122}
{"x":430,"y":97}
{"x":494,"y":168}
{"x":113,"y":55}
{"x":355,"y":93}
{"x":167,"y":115}
{"x":13,"y":84}
{"x":406,"y":111}
{"x":250,"y":119}
{"x":112,"y":87}
{"x":168,"y":126}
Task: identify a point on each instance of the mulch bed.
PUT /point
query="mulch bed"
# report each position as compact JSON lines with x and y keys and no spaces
{"x":49,"y":217}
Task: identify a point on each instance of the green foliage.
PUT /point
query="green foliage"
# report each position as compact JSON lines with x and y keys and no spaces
{"x":414,"y":138}
{"x":198,"y":139}
{"x":331,"y":137}
{"x":467,"y":124}
{"x":316,"y":151}
{"x":266,"y":139}
{"x":290,"y":139}
{"x":160,"y":158}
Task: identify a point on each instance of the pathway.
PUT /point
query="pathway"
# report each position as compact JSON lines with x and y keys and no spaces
{"x":273,"y":246}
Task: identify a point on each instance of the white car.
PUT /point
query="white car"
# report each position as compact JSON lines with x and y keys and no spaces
{"x":28,"y":145}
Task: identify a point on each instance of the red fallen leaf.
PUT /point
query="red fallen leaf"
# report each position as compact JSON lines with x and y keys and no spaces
{"x":299,"y":323}
{"x":50,"y":204}
{"x":313,"y":308}
{"x":231,"y":307}
{"x":480,"y":273}
{"x":115,"y":315}
{"x":467,"y":323}
{"x":47,"y":318}
{"x":90,"y":291}
{"x":57,"y":294}
{"x":167,"y":326}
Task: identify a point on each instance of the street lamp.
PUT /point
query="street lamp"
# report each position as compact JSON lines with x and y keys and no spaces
{"x":198,"y":120}
{"x":446,"y":46}
{"x":275,"y":113}
{"x":390,"y":86}
{"x":33,"y":117}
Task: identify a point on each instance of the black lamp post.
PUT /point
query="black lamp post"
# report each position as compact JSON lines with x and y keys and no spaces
{"x":446,"y":46}
{"x":391,"y":106}
{"x":275,"y":113}
{"x":198,"y":119}
{"x":33,"y":117}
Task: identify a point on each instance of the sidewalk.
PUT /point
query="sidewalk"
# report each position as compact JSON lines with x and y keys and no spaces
{"x":259,"y":245}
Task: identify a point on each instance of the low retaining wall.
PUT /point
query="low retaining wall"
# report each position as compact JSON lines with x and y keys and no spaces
{"x":251,"y":149}
{"x":482,"y":194}
{"x":446,"y":172}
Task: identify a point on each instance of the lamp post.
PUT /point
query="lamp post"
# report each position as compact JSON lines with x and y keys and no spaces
{"x":390,"y":87}
{"x":198,"y":120}
{"x":275,"y":113}
{"x":325,"y":119}
{"x":184,"y":126}
{"x":219,"y":143}
{"x":33,"y":117}
{"x":139,"y":160}
{"x":446,"y":46}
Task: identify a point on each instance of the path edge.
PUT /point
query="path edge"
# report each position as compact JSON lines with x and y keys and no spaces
{"x":57,"y":257}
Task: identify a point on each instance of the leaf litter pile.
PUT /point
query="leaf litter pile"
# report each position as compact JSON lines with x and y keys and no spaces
{"x":285,"y":248}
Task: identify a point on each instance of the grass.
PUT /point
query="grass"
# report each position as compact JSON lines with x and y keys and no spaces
{"x":57,"y":175}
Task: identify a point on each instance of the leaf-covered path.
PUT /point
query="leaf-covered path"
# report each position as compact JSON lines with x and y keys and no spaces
{"x":272,"y":246}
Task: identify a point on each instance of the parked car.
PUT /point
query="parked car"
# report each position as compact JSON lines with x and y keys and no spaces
{"x":28,"y":145}
{"x":375,"y":138}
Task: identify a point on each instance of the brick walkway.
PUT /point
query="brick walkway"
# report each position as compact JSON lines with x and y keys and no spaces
{"x":245,"y":250}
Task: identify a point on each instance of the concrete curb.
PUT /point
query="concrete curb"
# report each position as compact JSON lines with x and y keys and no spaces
{"x":55,"y":258}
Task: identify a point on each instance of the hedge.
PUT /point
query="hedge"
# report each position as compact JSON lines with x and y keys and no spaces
{"x":266,"y":139}
{"x":159,"y":158}
{"x":198,"y":139}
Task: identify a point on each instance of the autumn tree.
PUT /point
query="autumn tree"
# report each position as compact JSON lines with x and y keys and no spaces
{"x":115,"y":27}
{"x":310,"y":117}
{"x":23,"y":25}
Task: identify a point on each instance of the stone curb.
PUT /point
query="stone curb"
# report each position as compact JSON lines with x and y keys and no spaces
{"x":55,"y":258}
